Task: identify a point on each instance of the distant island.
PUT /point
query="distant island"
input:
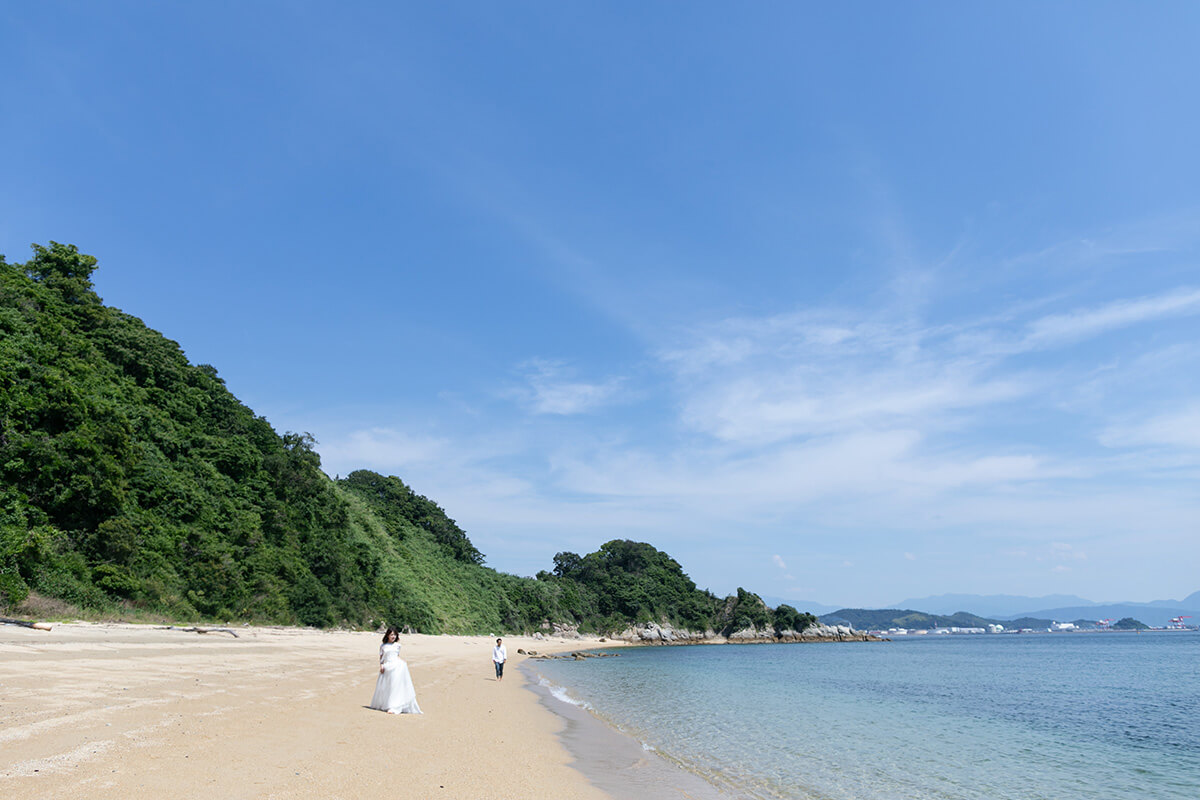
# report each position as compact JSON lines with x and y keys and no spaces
{"x":901,"y":621}
{"x":134,"y":484}
{"x":1010,"y":608}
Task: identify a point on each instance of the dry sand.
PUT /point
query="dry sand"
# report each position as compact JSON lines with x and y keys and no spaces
{"x":132,"y":711}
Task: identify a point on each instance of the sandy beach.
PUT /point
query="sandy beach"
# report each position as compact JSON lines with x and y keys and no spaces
{"x":102,"y":710}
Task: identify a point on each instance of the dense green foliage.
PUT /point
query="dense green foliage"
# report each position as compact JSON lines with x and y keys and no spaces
{"x":132,"y":476}
{"x":630,"y":581}
{"x":132,"y":482}
{"x":627,"y":581}
{"x":789,"y":619}
{"x":1130,"y":624}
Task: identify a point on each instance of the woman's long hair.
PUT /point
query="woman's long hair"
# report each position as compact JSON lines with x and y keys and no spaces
{"x":388,"y":633}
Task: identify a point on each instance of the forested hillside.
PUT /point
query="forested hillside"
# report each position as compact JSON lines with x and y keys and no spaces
{"x":134,"y":483}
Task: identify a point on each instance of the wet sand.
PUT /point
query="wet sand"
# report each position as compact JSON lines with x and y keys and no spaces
{"x":619,"y":764}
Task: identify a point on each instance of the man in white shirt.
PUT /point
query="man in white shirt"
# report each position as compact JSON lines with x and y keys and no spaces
{"x":499,"y":656}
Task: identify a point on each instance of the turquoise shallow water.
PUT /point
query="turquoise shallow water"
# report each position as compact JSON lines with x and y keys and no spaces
{"x":1027,"y":717}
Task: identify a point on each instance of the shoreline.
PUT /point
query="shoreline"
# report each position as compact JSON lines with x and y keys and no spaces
{"x":611,"y":759}
{"x":118,"y":710}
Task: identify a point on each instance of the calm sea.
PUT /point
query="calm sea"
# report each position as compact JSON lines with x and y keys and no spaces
{"x":1028,"y":717}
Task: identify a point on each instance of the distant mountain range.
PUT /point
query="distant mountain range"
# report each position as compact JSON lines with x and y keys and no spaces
{"x":1007,"y":607}
{"x":993,"y":605}
{"x":1056,"y":607}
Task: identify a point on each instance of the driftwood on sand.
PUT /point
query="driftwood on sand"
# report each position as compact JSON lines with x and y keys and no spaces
{"x":199,"y":630}
{"x":24,"y":623}
{"x":46,"y":626}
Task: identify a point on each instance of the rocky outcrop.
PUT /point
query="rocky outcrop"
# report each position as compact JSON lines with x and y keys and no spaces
{"x":563,"y":631}
{"x":833,"y":633}
{"x":560,"y":630}
{"x":655,"y":633}
{"x":578,"y":655}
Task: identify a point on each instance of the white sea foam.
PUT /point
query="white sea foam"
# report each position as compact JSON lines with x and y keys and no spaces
{"x":560,"y":693}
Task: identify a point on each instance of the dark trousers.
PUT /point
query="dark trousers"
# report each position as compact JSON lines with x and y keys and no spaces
{"x":499,"y":669}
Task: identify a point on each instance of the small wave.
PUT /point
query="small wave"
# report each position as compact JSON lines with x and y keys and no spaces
{"x":561,"y":693}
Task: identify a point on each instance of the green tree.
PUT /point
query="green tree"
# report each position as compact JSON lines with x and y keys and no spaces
{"x":567,"y":565}
{"x":1130,"y":624}
{"x":64,"y":269}
{"x":787,"y":618}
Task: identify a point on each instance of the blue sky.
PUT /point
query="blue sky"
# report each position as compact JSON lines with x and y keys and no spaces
{"x":842,"y":305}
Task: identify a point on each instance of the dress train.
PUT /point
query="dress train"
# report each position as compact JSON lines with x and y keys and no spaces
{"x":394,"y":691}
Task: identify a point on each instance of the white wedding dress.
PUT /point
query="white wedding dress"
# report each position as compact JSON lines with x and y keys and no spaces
{"x":394,"y":692}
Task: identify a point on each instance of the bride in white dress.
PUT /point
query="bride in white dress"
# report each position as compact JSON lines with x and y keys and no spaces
{"x":394,"y":692}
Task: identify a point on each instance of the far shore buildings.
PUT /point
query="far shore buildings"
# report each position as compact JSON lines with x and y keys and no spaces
{"x":1055,"y":627}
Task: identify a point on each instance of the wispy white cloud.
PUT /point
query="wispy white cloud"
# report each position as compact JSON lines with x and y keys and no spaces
{"x":1147,"y":237}
{"x":1088,"y":322}
{"x":811,"y":333}
{"x":756,"y":381}
{"x":888,"y":467}
{"x":811,"y":399}
{"x":383,"y":449}
{"x":1068,"y":552}
{"x":549,"y":390}
{"x":807,"y":374}
{"x":1178,"y":429}
{"x":830,"y":419}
